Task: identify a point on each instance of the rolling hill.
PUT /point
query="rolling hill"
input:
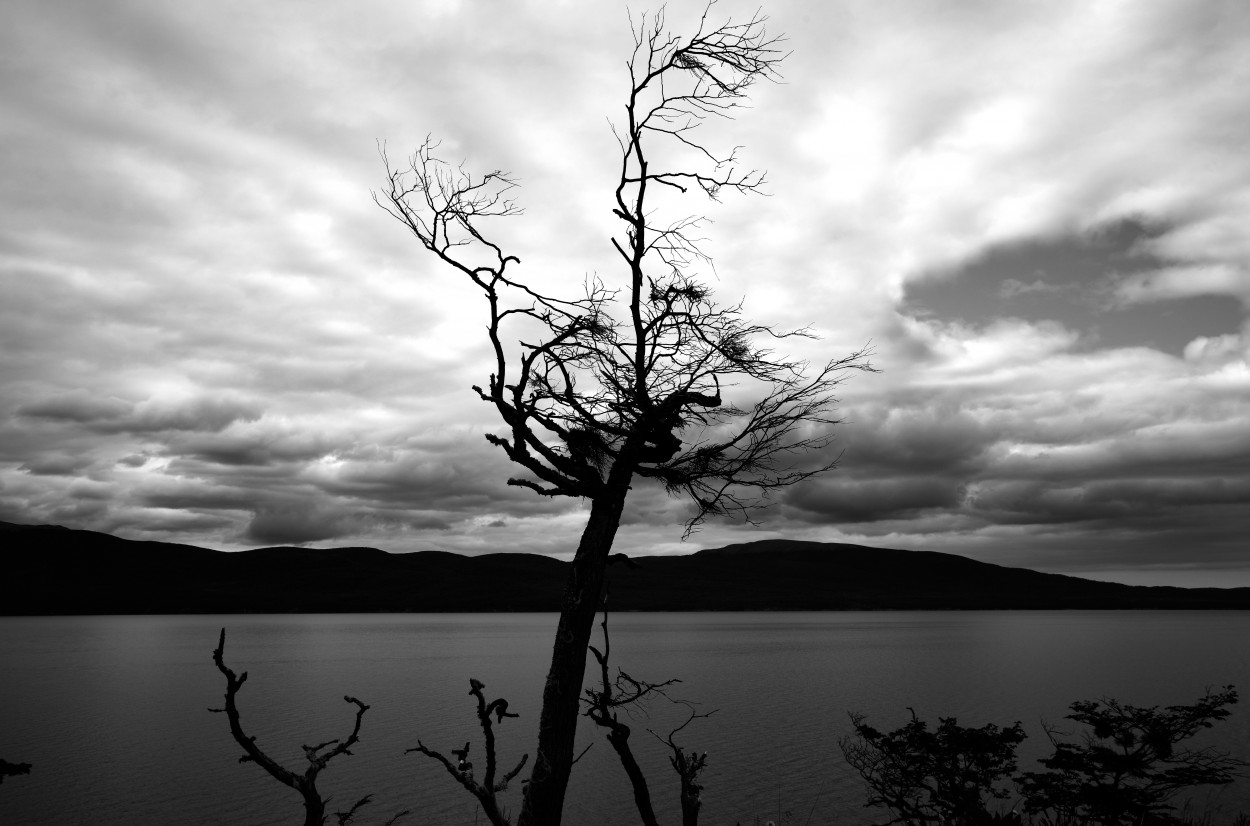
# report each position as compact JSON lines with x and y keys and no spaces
{"x":54,"y":570}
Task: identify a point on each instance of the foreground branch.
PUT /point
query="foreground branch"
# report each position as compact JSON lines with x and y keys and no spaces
{"x":688,"y":766}
{"x":462,"y":770}
{"x":318,"y":756}
{"x":601,"y":704}
{"x":625,"y":691}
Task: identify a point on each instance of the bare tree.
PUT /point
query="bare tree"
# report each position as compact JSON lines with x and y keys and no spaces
{"x":688,"y":765}
{"x":602,"y":705}
{"x":625,"y":692}
{"x":462,"y":770}
{"x":630,"y":379}
{"x":319,"y":756}
{"x":1131,"y":763}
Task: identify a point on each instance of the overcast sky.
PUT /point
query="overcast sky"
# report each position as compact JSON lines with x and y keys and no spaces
{"x":1037,"y":213}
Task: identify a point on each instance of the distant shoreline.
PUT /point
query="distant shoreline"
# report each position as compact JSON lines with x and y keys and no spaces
{"x":59,"y":571}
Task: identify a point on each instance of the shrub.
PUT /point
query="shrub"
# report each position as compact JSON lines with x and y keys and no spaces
{"x":1124,"y":770}
{"x":934,"y":777}
{"x":1130,"y":762}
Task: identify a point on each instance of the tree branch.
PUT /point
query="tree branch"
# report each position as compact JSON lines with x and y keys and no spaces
{"x":306,"y":783}
{"x":487,"y":790}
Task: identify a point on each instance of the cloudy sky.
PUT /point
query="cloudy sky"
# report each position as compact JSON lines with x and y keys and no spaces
{"x":1037,"y":213}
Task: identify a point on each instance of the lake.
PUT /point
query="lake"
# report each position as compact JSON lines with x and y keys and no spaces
{"x":112,"y":711}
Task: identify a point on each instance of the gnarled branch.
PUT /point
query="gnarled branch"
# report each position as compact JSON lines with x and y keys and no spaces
{"x":487,"y":789}
{"x":318,"y":756}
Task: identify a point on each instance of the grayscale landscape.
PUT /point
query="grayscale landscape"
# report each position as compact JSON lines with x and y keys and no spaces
{"x":450,"y":413}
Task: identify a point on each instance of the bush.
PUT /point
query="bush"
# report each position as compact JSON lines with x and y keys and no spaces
{"x":931,"y":777}
{"x":1123,"y":771}
{"x":1130,"y":762}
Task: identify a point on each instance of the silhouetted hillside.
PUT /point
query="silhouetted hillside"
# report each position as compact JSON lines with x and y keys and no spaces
{"x":53,"y":570}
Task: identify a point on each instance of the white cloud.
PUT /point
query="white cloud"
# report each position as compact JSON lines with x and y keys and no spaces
{"x":206,"y":317}
{"x":1180,"y":282}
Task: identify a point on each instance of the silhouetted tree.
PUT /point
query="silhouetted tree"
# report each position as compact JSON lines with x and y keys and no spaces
{"x":626,"y":692}
{"x":1130,"y":762}
{"x":1122,"y":773}
{"x":628,"y":379}
{"x":944,"y":776}
{"x":318,"y":756}
{"x":602,"y":703}
{"x":688,"y":765}
{"x":462,"y":770}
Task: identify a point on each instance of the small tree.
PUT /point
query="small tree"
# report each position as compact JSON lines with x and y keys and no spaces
{"x":319,"y":756}
{"x":934,"y":777}
{"x":487,"y":789}
{"x":629,"y":379}
{"x":1122,"y":773}
{"x":1130,"y":763}
{"x":603,"y":704}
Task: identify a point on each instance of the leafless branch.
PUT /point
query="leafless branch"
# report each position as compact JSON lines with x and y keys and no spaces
{"x":688,"y":765}
{"x":487,"y":789}
{"x":318,"y":756}
{"x":601,"y":705}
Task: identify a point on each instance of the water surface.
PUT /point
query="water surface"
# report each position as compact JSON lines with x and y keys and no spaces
{"x":112,"y":711}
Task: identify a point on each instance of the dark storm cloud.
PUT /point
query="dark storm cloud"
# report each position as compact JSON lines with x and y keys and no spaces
{"x":922,"y":439}
{"x":1012,"y":455}
{"x":161,"y":525}
{"x":260,"y":447}
{"x":1128,"y":503}
{"x":295,"y":525}
{"x":78,"y":406}
{"x":55,"y":464}
{"x":1085,"y":281}
{"x":207,"y":415}
{"x":183,"y":494}
{"x":318,"y":519}
{"x":852,"y":501}
{"x":113,"y":415}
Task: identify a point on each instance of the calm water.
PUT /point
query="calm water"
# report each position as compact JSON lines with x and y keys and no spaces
{"x":112,"y":710}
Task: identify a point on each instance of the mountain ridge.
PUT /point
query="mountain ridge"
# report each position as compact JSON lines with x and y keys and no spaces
{"x":57,"y":570}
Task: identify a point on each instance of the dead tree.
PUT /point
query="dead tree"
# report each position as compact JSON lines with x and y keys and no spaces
{"x":462,"y":770}
{"x":318,"y":756}
{"x":602,"y":704}
{"x":688,"y":766}
{"x":637,"y":377}
{"x":623,"y":692}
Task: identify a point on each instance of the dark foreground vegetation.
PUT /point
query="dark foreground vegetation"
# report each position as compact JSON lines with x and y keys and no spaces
{"x":1122,"y":765}
{"x":1119,"y":765}
{"x":51,"y":570}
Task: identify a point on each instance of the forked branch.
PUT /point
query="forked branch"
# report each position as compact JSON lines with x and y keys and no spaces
{"x":462,"y":770}
{"x":318,"y":756}
{"x":624,"y":691}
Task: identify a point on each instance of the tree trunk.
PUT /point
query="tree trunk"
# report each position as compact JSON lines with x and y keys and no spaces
{"x":619,"y":738}
{"x":314,"y":807}
{"x":544,"y":795}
